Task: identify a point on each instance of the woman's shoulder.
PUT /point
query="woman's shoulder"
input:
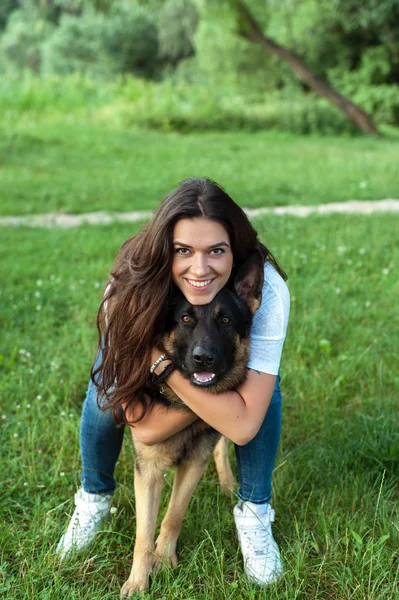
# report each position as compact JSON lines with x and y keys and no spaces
{"x":271,"y":318}
{"x":274,"y":284}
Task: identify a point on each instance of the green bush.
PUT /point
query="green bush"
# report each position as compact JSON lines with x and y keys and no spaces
{"x":366,"y":87}
{"x":177,"y":106}
{"x":21,"y":43}
{"x":381,"y":101}
{"x":77,"y":45}
{"x":131,"y":39}
{"x":122,"y":41}
{"x":178,"y":20}
{"x":6,"y":8}
{"x":165,"y":106}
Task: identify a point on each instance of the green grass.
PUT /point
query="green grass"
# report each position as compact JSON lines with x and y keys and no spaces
{"x":336,"y":479}
{"x":72,"y":166}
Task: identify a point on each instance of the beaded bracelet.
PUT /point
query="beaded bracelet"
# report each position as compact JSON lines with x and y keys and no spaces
{"x":157,"y":362}
{"x":161,"y":378}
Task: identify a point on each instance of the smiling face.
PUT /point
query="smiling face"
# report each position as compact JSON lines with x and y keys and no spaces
{"x":202,"y":260}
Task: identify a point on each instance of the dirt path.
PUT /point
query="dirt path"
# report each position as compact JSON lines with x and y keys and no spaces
{"x":363,"y":207}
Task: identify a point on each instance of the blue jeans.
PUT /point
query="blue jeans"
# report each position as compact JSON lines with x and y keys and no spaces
{"x":101,"y":443}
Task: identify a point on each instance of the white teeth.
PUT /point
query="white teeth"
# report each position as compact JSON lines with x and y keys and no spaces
{"x":204,"y":380}
{"x":199,"y":284}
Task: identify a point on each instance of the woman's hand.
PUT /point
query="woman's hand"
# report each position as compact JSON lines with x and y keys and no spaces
{"x":155,"y":354}
{"x":160,"y":422}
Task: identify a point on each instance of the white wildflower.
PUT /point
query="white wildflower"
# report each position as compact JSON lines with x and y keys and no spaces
{"x":38,"y":307}
{"x":385,"y":271}
{"x":39,"y":282}
{"x":15,"y":435}
{"x":362,"y":250}
{"x":113,"y":510}
{"x":38,"y":397}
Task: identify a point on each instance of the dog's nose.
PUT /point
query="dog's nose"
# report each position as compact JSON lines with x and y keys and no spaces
{"x":203,"y":357}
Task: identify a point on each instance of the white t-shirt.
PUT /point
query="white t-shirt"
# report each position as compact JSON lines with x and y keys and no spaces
{"x":270,"y":322}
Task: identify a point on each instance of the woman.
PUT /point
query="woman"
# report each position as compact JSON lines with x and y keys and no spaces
{"x":196,"y":241}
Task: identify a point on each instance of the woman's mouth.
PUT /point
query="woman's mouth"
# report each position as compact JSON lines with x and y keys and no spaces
{"x":199,"y":284}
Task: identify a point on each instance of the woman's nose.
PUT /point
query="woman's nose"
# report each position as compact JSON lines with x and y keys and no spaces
{"x":200,"y":265}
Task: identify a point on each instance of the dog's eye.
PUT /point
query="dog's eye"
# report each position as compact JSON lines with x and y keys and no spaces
{"x":185,"y":319}
{"x":225,"y":319}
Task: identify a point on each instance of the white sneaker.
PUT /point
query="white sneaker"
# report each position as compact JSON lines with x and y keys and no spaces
{"x":262,"y":561}
{"x":91,"y":511}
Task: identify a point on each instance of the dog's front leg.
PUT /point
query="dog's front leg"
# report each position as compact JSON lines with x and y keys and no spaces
{"x":187,"y":477}
{"x":148,"y":481}
{"x":223,"y":467}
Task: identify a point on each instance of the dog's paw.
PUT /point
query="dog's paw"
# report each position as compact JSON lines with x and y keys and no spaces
{"x":165,"y":553}
{"x":169,"y":560}
{"x":130,"y":587}
{"x":228,"y":485}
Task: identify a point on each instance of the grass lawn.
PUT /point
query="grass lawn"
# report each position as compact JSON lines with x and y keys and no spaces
{"x":67,"y":165}
{"x":336,"y":479}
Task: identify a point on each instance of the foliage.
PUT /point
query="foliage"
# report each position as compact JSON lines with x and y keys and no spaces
{"x":131,"y":39}
{"x":78,"y":45}
{"x":229,"y":60}
{"x":21,"y":42}
{"x":6,"y":8}
{"x":177,"y":22}
{"x":366,"y":85}
{"x":122,"y":41}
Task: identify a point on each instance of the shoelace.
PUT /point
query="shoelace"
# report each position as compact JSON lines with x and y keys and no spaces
{"x":257,"y":538}
{"x":84,"y":520}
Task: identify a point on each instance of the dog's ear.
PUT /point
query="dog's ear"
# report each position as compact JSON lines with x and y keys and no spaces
{"x":248,"y":281}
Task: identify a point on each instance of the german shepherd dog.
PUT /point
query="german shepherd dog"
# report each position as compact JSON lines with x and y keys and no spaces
{"x":209,"y":345}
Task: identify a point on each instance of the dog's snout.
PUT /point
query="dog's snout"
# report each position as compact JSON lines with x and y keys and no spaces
{"x":203,"y":357}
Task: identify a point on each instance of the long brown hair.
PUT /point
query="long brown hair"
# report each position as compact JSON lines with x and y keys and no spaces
{"x":131,"y":316}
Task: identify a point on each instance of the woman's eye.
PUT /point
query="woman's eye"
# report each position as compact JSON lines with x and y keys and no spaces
{"x":185,"y":319}
{"x":217,"y":251}
{"x":182,"y":251}
{"x":225,"y":319}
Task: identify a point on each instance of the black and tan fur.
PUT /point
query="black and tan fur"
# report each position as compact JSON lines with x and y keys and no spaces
{"x":221,"y":330}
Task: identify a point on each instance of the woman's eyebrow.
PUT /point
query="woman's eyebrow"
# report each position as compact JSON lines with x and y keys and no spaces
{"x":217,"y":245}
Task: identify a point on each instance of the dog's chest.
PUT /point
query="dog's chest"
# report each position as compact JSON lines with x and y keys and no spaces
{"x":195,"y":442}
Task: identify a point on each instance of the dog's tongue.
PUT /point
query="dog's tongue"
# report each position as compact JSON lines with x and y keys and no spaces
{"x":203,"y":375}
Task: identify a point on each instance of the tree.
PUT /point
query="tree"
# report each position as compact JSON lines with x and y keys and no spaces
{"x":250,"y":29}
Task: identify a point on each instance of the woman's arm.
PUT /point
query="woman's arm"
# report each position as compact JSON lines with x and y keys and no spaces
{"x":237,"y":414}
{"x":159,"y":423}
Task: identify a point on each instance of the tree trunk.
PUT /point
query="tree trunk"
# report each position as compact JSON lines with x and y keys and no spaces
{"x":251,"y":31}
